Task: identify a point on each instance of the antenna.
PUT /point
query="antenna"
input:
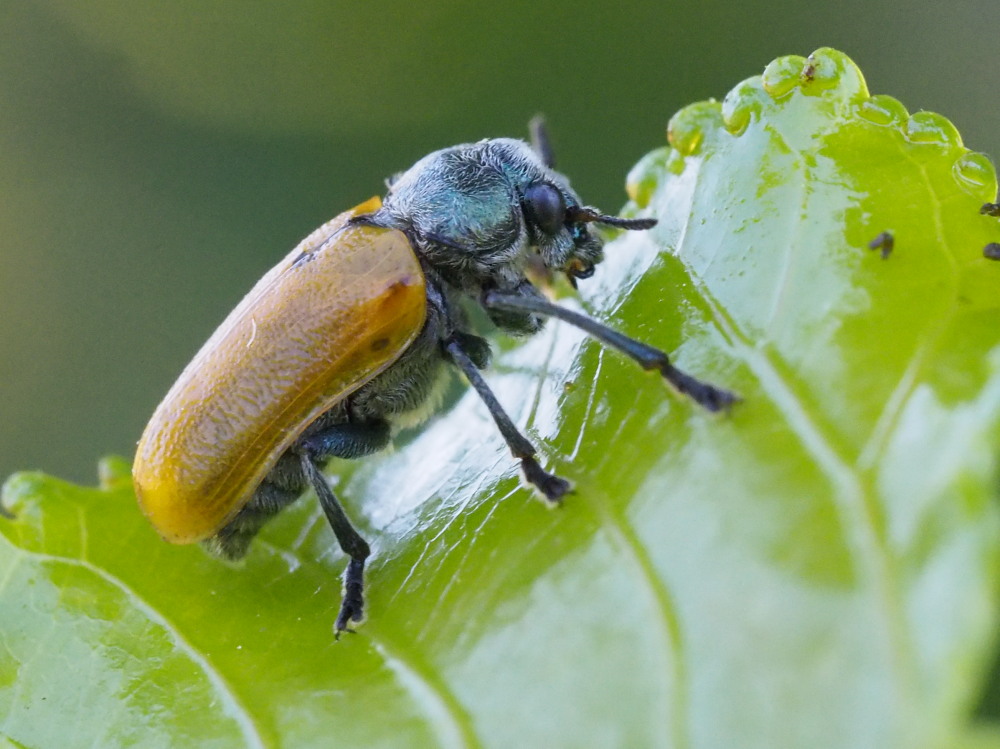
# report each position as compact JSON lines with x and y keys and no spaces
{"x":587,"y":215}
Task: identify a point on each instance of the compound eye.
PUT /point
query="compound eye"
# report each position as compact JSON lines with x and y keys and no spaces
{"x":545,"y":206}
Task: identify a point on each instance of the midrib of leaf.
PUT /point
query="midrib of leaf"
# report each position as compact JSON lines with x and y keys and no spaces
{"x":249,"y":728}
{"x":637,"y":555}
{"x":856,"y":503}
{"x":440,"y":707}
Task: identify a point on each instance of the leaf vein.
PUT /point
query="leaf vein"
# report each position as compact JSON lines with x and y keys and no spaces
{"x":236,"y":709}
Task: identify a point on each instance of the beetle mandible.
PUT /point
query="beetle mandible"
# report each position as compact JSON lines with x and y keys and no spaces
{"x":347,"y":338}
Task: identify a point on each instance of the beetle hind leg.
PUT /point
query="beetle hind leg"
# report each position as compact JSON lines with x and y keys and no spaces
{"x":343,"y":440}
{"x":350,"y":541}
{"x":286,"y":481}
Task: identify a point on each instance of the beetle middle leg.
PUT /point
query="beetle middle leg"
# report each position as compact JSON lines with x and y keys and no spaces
{"x":552,"y":487}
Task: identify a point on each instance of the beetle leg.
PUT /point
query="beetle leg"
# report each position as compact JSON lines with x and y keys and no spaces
{"x":552,"y":487}
{"x":352,"y":607}
{"x":706,"y":395}
{"x":476,"y":348}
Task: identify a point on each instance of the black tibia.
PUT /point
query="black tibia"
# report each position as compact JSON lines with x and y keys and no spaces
{"x":518,"y":321}
{"x":706,"y":395}
{"x":990,"y":209}
{"x":476,"y":348}
{"x":352,"y":607}
{"x":552,"y":487}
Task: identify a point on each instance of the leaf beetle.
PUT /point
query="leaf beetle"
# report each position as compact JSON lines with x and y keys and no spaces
{"x":347,"y":338}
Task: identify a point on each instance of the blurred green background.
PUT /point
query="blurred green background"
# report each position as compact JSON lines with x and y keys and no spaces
{"x":157,"y":158}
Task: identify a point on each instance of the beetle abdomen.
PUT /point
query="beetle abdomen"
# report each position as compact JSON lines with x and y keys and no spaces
{"x":339,"y":309}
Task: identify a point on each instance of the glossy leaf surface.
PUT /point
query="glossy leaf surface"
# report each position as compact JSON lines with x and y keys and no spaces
{"x":816,"y":569}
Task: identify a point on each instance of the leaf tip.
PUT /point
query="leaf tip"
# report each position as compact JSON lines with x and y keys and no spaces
{"x":828,"y":69}
{"x":825,"y":70}
{"x":836,"y":85}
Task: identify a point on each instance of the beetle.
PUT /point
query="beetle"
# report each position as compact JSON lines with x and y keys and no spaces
{"x":348,"y":337}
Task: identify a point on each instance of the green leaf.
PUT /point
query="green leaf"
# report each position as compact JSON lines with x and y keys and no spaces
{"x":816,"y":569}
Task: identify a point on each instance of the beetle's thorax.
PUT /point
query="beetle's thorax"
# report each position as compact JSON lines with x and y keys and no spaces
{"x":466,"y":213}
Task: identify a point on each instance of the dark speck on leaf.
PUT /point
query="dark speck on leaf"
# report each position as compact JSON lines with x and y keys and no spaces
{"x":885,"y":242}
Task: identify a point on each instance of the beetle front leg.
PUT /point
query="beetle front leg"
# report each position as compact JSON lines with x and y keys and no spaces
{"x":353,"y":605}
{"x":704,"y":394}
{"x":552,"y":487}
